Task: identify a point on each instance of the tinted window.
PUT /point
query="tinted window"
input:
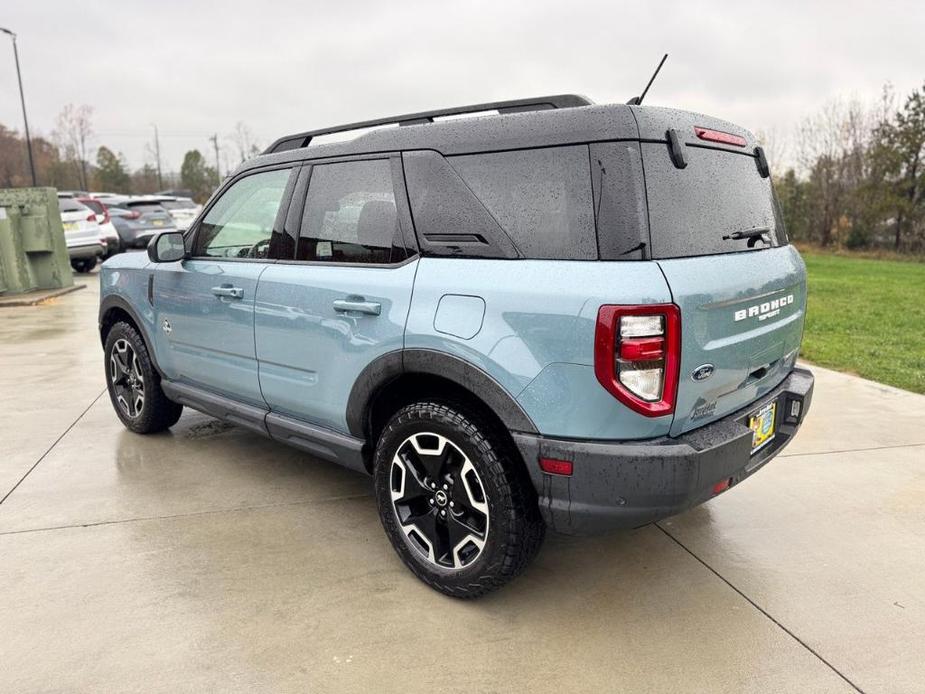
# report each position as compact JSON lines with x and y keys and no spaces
{"x":717,"y":194}
{"x":69,"y":205}
{"x":540,"y":197}
{"x":239,"y":224}
{"x":94,"y":205}
{"x":448,"y":218}
{"x":350,"y":215}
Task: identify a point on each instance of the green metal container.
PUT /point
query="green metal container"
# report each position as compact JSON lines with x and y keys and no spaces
{"x":33,"y":253}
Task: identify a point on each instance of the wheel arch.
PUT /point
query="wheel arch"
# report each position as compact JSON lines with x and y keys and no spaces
{"x":399,"y":377}
{"x":113,"y":309}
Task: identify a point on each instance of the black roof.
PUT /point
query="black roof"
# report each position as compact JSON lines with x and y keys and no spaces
{"x":525,"y":123}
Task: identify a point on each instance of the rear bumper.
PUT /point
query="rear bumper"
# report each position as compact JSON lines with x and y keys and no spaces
{"x":628,"y":484}
{"x":83,"y":251}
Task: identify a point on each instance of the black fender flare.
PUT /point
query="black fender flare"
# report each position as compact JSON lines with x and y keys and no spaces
{"x":115,"y":301}
{"x":391,"y":365}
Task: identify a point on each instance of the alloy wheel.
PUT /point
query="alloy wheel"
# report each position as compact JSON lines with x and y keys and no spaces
{"x":126,"y":378}
{"x":439,"y":500}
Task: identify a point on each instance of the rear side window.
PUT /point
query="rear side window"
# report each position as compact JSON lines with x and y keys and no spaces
{"x":541,"y":198}
{"x":717,"y":194}
{"x":350,"y":215}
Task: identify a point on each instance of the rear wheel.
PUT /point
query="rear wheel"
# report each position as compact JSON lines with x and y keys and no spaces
{"x":454,"y":500}
{"x":84,"y":265}
{"x":134,"y":385}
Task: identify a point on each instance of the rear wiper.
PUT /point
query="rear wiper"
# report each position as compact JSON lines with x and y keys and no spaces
{"x":753,"y":236}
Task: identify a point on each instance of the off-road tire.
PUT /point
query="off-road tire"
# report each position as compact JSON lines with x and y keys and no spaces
{"x":157,"y":412}
{"x":515,"y":529}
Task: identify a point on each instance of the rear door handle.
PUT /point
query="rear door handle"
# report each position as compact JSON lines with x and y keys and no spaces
{"x":229,"y":291}
{"x":373,"y":308}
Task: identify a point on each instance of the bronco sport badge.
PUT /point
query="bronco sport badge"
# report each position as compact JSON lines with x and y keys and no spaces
{"x":765,"y":310}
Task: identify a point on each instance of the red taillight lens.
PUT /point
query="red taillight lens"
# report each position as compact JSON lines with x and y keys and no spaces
{"x":552,"y":466}
{"x":637,"y":353}
{"x":719,"y":136}
{"x":91,"y":218}
{"x":133,"y":214}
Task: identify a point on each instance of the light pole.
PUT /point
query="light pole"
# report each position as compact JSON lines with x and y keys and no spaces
{"x":22,"y":100}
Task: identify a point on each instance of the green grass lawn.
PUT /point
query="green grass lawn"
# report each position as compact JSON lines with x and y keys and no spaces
{"x":867,"y":317}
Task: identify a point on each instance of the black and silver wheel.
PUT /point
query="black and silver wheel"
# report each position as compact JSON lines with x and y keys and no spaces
{"x":454,"y":499}
{"x":134,"y":385}
{"x":126,"y":378}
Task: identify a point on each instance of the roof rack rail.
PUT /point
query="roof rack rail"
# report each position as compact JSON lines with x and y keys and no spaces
{"x":539,"y":103}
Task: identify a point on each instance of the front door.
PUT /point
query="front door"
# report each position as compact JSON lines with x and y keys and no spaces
{"x":342,"y":301}
{"x":205,"y":304}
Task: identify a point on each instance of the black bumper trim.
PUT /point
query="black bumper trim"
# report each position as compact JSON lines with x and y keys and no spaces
{"x":630,"y":483}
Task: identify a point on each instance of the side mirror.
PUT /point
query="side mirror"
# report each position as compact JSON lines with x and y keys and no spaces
{"x":167,"y":247}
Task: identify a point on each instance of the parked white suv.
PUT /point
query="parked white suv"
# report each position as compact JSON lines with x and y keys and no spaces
{"x":82,"y":233}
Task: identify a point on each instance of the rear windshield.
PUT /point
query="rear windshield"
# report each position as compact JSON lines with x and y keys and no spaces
{"x":178,"y":204}
{"x":69,"y":205}
{"x":717,"y":194}
{"x":147,"y":207}
{"x":94,"y":205}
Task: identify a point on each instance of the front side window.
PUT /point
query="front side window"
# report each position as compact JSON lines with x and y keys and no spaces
{"x":240,"y":223}
{"x":350,"y":215}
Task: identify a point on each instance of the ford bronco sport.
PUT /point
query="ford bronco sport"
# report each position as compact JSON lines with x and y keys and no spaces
{"x":552,"y":315}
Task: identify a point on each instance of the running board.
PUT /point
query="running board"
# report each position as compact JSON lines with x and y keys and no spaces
{"x":323,"y":443}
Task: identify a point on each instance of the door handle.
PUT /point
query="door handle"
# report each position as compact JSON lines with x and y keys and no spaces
{"x":229,"y":291}
{"x":358,"y":305}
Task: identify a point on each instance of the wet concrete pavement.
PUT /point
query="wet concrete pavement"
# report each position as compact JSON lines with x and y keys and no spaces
{"x":210,"y":558}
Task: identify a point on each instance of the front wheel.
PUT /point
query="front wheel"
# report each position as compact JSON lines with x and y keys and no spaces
{"x":454,"y":500}
{"x":134,"y":385}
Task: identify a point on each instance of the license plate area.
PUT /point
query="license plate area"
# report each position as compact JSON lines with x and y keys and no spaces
{"x":763,"y":424}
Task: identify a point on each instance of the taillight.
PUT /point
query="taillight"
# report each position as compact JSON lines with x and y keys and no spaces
{"x":637,"y":353}
{"x":133,"y":214}
{"x":719,"y":136}
{"x":105,"y":216}
{"x":91,"y":218}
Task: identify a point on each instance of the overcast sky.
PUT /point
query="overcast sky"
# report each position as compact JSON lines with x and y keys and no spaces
{"x":197,"y":68}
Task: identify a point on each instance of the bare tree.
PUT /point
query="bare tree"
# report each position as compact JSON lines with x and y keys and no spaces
{"x":73,"y":129}
{"x":243,"y":140}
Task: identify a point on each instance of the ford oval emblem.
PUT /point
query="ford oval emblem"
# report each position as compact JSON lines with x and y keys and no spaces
{"x":702,"y":373}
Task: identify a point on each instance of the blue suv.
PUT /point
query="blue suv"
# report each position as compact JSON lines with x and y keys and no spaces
{"x":549,"y":314}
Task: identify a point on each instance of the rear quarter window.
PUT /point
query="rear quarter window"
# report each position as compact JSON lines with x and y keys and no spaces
{"x":718,"y":193}
{"x":541,"y":198}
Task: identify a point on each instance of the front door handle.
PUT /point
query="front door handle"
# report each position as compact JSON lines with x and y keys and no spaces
{"x":358,"y":305}
{"x":229,"y":291}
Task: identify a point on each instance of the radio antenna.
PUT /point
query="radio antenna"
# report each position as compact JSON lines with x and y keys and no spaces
{"x":637,"y":100}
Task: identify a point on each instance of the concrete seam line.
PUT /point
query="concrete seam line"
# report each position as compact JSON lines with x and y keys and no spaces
{"x":853,"y":450}
{"x":761,"y":610}
{"x":192,"y":514}
{"x":51,"y":447}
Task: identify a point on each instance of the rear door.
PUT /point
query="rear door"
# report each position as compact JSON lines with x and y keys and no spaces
{"x":742,"y":300}
{"x":205,"y":305}
{"x":338,"y":295}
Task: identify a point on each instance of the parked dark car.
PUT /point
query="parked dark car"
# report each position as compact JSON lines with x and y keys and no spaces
{"x":138,"y":219}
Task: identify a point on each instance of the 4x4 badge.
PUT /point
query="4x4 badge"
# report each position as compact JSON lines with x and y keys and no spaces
{"x":702,"y":373}
{"x":166,"y":326}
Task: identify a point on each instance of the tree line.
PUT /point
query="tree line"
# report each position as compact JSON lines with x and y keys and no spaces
{"x":859,"y":176}
{"x":66,"y":161}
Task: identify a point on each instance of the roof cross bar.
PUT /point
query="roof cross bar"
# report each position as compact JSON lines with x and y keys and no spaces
{"x":539,"y":103}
